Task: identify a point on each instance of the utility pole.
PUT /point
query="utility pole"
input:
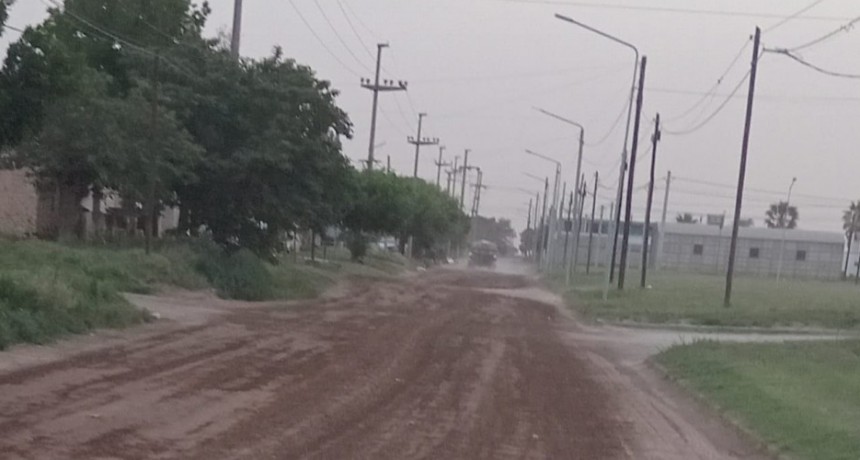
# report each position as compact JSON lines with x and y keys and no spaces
{"x":236,"y":38}
{"x":439,"y":165}
{"x":850,"y":240}
{"x":376,"y":88}
{"x":727,"y":300}
{"x":625,"y":242}
{"x":476,"y":202}
{"x":149,"y":200}
{"x":418,"y":141}
{"x":388,"y":164}
{"x":655,"y":138}
{"x":580,"y":205}
{"x":537,"y":225}
{"x":463,"y":183}
{"x":452,"y":191}
{"x":591,"y":226}
{"x":568,"y":226}
{"x":543,"y":226}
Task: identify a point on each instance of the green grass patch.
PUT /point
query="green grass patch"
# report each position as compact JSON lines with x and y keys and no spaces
{"x":677,"y":298}
{"x":801,"y":398}
{"x":48,"y":290}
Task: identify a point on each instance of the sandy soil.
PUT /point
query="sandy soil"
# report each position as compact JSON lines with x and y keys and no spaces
{"x":447,"y":365}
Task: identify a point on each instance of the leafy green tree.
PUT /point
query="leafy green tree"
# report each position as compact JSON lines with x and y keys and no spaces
{"x":781,"y":215}
{"x":91,"y":141}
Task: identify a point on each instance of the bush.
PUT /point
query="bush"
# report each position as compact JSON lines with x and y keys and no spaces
{"x":238,"y":275}
{"x":39,"y":307}
{"x":356,"y":242}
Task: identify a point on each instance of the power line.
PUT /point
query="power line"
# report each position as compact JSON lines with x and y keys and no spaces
{"x":755,"y":190}
{"x":660,"y":9}
{"x":831,"y":73}
{"x":320,"y":40}
{"x":615,"y":124}
{"x":354,"y":30}
{"x":712,"y":91}
{"x":844,"y":28}
{"x":793,"y":16}
{"x":713,"y":114}
{"x":339,"y":37}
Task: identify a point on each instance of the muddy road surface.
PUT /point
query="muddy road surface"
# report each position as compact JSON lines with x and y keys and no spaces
{"x":439,"y":366}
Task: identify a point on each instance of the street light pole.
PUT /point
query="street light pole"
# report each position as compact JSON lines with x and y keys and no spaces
{"x":623,"y":166}
{"x":551,"y":220}
{"x":784,"y":225}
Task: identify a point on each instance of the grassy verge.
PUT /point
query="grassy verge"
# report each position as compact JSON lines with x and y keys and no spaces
{"x":677,"y":298}
{"x":48,"y":290}
{"x":801,"y":398}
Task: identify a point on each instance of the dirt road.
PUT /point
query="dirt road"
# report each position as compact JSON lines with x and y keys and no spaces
{"x":441,"y":366}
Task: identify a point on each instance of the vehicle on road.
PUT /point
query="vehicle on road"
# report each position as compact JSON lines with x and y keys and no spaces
{"x":483,"y":253}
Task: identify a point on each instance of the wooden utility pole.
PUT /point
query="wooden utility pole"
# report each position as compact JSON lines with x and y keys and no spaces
{"x":625,"y":242}
{"x":730,"y":273}
{"x":418,"y":141}
{"x":235,"y":39}
{"x":149,"y":200}
{"x":655,"y":138}
{"x":376,"y":88}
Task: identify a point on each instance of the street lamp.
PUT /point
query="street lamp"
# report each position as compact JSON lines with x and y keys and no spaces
{"x":578,"y":185}
{"x":784,"y":225}
{"x":552,"y":220}
{"x":623,"y":166}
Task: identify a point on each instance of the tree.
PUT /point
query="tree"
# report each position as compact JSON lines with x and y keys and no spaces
{"x":781,"y":215}
{"x":91,"y":141}
{"x":527,"y":241}
{"x":385,"y":204}
{"x":851,"y":219}
{"x":686,"y":218}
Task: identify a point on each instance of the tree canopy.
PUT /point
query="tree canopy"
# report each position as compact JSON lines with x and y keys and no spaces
{"x":781,"y":215}
{"x":129,"y":96}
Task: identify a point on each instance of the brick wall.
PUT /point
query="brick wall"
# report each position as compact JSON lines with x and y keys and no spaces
{"x":18,"y":203}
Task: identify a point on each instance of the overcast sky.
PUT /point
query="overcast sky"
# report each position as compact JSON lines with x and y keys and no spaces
{"x":477,"y":67}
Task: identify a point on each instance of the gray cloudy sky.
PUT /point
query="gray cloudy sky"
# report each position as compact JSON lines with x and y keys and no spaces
{"x":477,"y":67}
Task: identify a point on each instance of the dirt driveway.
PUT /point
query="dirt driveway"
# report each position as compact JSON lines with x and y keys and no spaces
{"x":448,"y":365}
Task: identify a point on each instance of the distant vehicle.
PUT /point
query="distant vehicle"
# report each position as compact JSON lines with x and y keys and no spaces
{"x":483,"y":254}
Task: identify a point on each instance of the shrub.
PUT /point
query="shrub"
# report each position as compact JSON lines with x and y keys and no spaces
{"x":238,"y":275}
{"x":356,"y":242}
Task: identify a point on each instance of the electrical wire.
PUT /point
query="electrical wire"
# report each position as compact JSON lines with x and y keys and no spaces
{"x":793,"y":16}
{"x":320,"y":40}
{"x":713,"y":115}
{"x":831,"y":73}
{"x":354,"y":30}
{"x":712,"y":91}
{"x":339,"y":37}
{"x":614,"y":126}
{"x":844,"y":28}
{"x":660,"y":9}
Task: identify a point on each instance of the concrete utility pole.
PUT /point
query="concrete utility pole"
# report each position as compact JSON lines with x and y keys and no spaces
{"x":479,"y":185}
{"x":418,"y":141}
{"x":785,"y":216}
{"x":850,"y":239}
{"x":463,"y":183}
{"x":537,"y":226}
{"x":591,"y":226}
{"x":376,"y":88}
{"x":439,"y":165}
{"x":730,"y":273}
{"x":568,"y":226}
{"x":580,"y":204}
{"x":625,"y":242}
{"x":235,"y":39}
{"x":655,"y":138}
{"x":543,"y":228}
{"x":452,"y":187}
{"x":591,"y":236}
